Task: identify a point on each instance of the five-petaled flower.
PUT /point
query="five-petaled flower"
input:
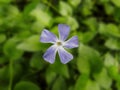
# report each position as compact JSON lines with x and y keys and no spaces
{"x":59,"y":44}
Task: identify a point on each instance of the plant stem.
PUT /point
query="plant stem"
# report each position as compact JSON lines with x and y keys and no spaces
{"x":11,"y":74}
{"x":50,"y":5}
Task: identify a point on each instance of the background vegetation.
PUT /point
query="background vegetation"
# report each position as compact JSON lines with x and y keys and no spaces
{"x":96,"y":61}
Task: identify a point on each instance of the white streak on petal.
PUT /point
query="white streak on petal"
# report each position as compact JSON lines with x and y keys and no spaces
{"x":50,"y":54}
{"x":63,"y":31}
{"x":72,"y":42}
{"x":47,"y":37}
{"x":65,"y":56}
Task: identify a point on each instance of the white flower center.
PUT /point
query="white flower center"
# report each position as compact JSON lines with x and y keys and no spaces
{"x":59,"y":43}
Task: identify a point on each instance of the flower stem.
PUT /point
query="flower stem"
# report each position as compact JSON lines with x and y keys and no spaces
{"x":50,"y":5}
{"x":11,"y":74}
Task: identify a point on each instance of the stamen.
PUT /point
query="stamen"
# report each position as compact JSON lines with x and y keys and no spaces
{"x":59,"y":43}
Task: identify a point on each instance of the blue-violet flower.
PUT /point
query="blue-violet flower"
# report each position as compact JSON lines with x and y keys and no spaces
{"x":59,"y":44}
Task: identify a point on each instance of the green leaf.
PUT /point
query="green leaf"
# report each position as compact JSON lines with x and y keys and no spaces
{"x":109,"y":30}
{"x":29,"y":8}
{"x":5,"y":72}
{"x":116,"y":2}
{"x":23,"y":35}
{"x":41,"y":16}
{"x":117,"y":14}
{"x":50,"y":76}
{"x":113,"y":30}
{"x":25,"y":85}
{"x":60,"y":19}
{"x":92,"y":85}
{"x":104,"y":1}
{"x":113,"y":72}
{"x":87,"y":7}
{"x":89,"y":60}
{"x":112,"y":65}
{"x":5,"y":1}
{"x":31,"y":44}
{"x":3,"y":60}
{"x":103,"y":79}
{"x":86,"y":11}
{"x":65,"y":9}
{"x":59,"y":84}
{"x":59,"y":68}
{"x":81,"y":82}
{"x":2,"y":38}
{"x":74,"y":3}
{"x":113,"y":43}
{"x":110,"y":60}
{"x":86,"y":37}
{"x":10,"y":49}
{"x":118,"y":83}
{"x":37,"y":27}
{"x":12,"y":18}
{"x":109,"y":9}
{"x":37,"y":61}
{"x":72,"y":22}
{"x":71,"y":87}
{"x":91,"y":23}
{"x":83,"y":65}
{"x":4,"y":87}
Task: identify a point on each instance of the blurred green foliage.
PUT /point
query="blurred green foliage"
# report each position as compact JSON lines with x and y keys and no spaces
{"x":96,"y":62}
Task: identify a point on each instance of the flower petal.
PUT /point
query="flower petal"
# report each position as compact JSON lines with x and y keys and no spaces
{"x":50,"y":54}
{"x":63,"y":31}
{"x":72,"y":42}
{"x":65,"y":56}
{"x":47,"y":37}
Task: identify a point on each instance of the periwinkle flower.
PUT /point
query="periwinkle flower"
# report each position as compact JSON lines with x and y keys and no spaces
{"x":59,"y":44}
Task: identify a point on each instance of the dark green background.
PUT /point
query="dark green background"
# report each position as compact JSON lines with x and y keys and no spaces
{"x":96,"y":61}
